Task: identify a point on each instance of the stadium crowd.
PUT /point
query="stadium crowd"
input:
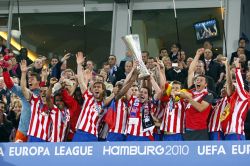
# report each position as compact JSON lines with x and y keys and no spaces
{"x":204,"y":97}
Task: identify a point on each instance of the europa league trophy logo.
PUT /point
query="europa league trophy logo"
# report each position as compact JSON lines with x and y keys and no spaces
{"x":133,"y":43}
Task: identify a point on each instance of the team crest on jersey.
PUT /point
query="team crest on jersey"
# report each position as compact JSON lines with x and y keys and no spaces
{"x":65,"y":116}
{"x":225,"y":112}
{"x":97,"y":108}
{"x":136,"y":102}
{"x":133,"y":111}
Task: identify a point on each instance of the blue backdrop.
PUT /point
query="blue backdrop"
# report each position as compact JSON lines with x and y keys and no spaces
{"x":205,"y":153}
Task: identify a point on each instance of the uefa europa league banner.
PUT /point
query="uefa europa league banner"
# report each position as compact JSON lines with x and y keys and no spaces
{"x":205,"y":153}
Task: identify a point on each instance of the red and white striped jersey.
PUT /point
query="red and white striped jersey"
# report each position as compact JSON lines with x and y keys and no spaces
{"x":60,"y":121}
{"x":40,"y":123}
{"x":134,"y":125}
{"x":238,"y":107}
{"x":214,"y":121}
{"x":159,"y":111}
{"x":173,"y":118}
{"x":89,"y":120}
{"x":121,"y":117}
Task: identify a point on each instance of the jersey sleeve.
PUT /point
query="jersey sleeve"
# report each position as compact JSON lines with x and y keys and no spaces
{"x":240,"y":85}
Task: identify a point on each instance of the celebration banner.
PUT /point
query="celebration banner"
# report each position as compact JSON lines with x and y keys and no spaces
{"x":205,"y":153}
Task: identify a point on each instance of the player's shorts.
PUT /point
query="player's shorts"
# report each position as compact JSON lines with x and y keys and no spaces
{"x":235,"y":137}
{"x":115,"y":137}
{"x":35,"y":139}
{"x":82,"y":136}
{"x":217,"y":135}
{"x":173,"y":137}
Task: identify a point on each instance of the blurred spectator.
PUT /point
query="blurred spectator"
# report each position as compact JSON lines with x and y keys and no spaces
{"x":2,"y":46}
{"x":15,"y":68}
{"x":153,"y":69}
{"x":128,"y":57}
{"x":175,"y":48}
{"x":177,"y":73}
{"x":209,"y":45}
{"x":247,"y":81}
{"x":53,"y":62}
{"x":113,"y":68}
{"x":60,"y":66}
{"x":122,"y":75}
{"x":145,"y":56}
{"x":181,"y":57}
{"x":163,"y":52}
{"x":90,"y":66}
{"x":38,"y":65}
{"x":5,"y":125}
{"x":241,"y":50}
{"x":212,"y":68}
{"x":167,"y":62}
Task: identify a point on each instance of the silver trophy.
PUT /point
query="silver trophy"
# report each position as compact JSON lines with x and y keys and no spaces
{"x":133,"y":44}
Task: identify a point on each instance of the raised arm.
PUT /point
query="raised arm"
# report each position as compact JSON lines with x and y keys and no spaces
{"x":130,"y":79}
{"x":229,"y":81}
{"x":192,"y":66}
{"x":80,"y":60}
{"x":44,"y":75}
{"x":23,"y":83}
{"x":158,"y":92}
{"x":198,"y":106}
{"x":48,"y":95}
{"x":162,"y":76}
{"x":239,"y":82}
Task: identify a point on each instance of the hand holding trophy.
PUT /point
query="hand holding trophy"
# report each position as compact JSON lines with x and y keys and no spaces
{"x":133,"y":44}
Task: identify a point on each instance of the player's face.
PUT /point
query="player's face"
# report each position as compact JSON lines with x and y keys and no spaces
{"x":33,"y":83}
{"x":98,"y":91}
{"x":200,"y":83}
{"x":175,"y":88}
{"x":135,"y":91}
{"x":223,"y":91}
{"x":59,"y":103}
{"x":43,"y":93}
{"x":143,"y":95}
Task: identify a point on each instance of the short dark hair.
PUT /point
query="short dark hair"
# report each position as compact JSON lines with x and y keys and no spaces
{"x":151,"y":58}
{"x":146,"y":52}
{"x":177,"y":82}
{"x":164,"y":48}
{"x":36,"y":75}
{"x":54,"y":57}
{"x":178,"y":45}
{"x":208,"y":42}
{"x":149,"y":91}
{"x":243,"y":38}
{"x":202,"y":75}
